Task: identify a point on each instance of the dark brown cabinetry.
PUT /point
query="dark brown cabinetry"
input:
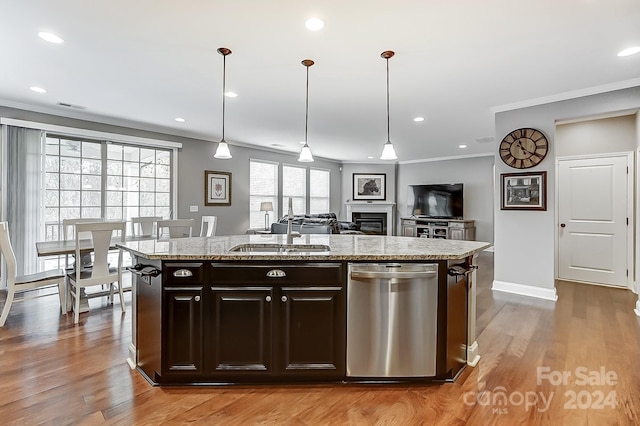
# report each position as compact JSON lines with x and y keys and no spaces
{"x":277,"y":322}
{"x":182,"y":320}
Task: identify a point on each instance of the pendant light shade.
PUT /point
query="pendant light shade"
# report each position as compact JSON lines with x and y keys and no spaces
{"x":222,"y":152}
{"x":305,"y":154}
{"x":388,"y":152}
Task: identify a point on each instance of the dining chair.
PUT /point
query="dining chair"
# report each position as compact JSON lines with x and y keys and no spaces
{"x":24,"y":283}
{"x":69,"y":233}
{"x":102,"y":234}
{"x":177,"y":228}
{"x":144,"y":226}
{"x":208,"y":226}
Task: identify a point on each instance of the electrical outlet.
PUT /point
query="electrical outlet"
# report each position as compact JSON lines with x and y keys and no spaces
{"x":193,"y":209}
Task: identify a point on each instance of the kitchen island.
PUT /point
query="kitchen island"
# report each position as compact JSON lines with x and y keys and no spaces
{"x":252,"y":309}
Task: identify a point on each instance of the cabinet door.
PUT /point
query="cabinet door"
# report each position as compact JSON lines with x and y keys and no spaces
{"x":312,"y":330}
{"x":182,"y":331}
{"x":409,"y":230}
{"x":456,"y":233}
{"x":240,"y":338}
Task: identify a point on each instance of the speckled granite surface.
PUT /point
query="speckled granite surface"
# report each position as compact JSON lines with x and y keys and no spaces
{"x":343,"y":247}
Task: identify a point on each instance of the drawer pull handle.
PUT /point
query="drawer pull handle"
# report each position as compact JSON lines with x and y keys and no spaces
{"x":197,"y":298}
{"x":283,"y":298}
{"x":276,"y":273}
{"x":182,"y":273}
{"x":268,"y":298}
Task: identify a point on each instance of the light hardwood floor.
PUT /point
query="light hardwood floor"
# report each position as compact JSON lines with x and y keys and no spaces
{"x":53,"y":372}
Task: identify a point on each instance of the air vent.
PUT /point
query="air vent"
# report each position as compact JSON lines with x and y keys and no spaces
{"x":485,"y":140}
{"x":68,"y":105}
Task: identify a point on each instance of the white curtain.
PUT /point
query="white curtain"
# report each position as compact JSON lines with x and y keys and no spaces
{"x":24,"y":194}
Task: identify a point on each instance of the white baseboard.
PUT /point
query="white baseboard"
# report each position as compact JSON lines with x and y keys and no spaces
{"x":472,"y":354}
{"x":637,"y":309}
{"x":525,"y":290}
{"x":131,"y":359}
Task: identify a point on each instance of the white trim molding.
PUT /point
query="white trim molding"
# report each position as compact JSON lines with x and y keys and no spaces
{"x":473,"y":356}
{"x":637,"y":309}
{"x":525,"y":290}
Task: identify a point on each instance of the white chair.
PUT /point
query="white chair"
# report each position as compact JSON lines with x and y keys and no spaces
{"x":69,"y":233}
{"x":21,"y":284}
{"x":177,"y":228}
{"x":102,"y":233}
{"x":209,"y":224}
{"x":144,"y":226}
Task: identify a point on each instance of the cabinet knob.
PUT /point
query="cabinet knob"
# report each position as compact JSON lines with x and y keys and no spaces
{"x":197,"y":298}
{"x":268,"y":298}
{"x":562,"y":225}
{"x":283,"y":298}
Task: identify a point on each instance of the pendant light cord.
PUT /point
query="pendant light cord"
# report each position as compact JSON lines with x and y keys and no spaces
{"x":224,"y":89}
{"x":306,"y":114}
{"x":388,"y":131}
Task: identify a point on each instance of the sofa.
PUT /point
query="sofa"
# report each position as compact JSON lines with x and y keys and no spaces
{"x":324,"y":219}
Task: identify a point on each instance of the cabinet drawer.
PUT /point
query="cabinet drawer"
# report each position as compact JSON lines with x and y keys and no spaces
{"x":456,"y":224}
{"x":318,"y":273}
{"x":183,"y":273}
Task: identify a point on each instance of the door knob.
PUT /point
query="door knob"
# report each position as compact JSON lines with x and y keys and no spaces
{"x":562,"y":225}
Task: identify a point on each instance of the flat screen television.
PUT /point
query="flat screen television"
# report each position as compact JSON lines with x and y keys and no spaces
{"x":439,"y":201}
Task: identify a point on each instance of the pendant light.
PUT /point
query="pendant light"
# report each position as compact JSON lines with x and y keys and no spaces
{"x":388,"y":153}
{"x":222,"y":152}
{"x":305,"y":154}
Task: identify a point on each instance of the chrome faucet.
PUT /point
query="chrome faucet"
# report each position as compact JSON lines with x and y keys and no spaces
{"x":290,"y":223}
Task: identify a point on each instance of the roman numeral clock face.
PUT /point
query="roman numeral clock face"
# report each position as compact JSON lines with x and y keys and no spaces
{"x":524,"y":148}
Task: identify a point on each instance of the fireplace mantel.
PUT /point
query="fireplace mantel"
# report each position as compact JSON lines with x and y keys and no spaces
{"x":373,"y":208}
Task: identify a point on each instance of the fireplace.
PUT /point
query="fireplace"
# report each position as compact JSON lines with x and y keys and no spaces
{"x":373,"y":218}
{"x":371,"y":223}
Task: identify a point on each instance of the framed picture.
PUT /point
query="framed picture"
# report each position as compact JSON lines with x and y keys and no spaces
{"x":217,"y":188}
{"x":524,"y":191}
{"x":368,"y":187}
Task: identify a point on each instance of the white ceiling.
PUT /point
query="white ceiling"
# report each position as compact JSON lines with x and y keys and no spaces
{"x":142,"y":63}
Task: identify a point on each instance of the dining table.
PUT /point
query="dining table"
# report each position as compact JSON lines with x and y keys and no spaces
{"x":68,"y":247}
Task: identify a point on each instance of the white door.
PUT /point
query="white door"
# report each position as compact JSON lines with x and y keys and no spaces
{"x":592,"y":212}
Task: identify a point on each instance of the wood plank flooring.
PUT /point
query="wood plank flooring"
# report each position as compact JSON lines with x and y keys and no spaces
{"x":53,"y":372}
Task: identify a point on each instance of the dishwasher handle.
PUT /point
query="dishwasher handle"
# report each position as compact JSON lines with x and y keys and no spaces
{"x":394,"y":274}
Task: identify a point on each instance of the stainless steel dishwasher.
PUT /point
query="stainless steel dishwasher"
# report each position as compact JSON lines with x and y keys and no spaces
{"x":392,"y":320}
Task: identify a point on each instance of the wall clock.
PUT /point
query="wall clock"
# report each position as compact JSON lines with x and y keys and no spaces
{"x":524,"y":148}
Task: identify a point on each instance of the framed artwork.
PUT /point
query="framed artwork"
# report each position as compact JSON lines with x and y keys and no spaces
{"x":217,"y":188}
{"x":523,"y":191}
{"x":372,"y":186}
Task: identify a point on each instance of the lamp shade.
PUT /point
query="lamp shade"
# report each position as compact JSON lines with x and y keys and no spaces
{"x":305,"y":155}
{"x":266,"y":206}
{"x":388,"y":153}
{"x":222,"y":152}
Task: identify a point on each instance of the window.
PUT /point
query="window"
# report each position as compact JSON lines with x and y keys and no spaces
{"x":263,"y":186}
{"x":294,"y":186}
{"x":86,"y":178}
{"x":319,"y":190}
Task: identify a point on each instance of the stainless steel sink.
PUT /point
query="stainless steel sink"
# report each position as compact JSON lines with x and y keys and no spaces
{"x":280,"y":248}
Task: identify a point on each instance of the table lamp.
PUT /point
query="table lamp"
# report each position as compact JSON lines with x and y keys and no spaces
{"x":266,"y":206}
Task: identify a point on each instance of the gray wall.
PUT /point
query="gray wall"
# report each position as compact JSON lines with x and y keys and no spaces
{"x":348,"y":169}
{"x":525,"y":240}
{"x":605,"y":135}
{"x":475,"y":173}
{"x":194,"y":158}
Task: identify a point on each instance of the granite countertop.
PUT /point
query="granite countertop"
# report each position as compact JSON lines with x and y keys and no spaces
{"x":343,"y":247}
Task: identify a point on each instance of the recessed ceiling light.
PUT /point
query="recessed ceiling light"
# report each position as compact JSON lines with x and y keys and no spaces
{"x":51,"y":38}
{"x":462,"y":146}
{"x":38,"y":89}
{"x":231,"y":94}
{"x":278,"y":145}
{"x":370,"y":157}
{"x":180,"y":120}
{"x":302,"y":142}
{"x":629,"y":51}
{"x":417,"y":119}
{"x":314,"y":24}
